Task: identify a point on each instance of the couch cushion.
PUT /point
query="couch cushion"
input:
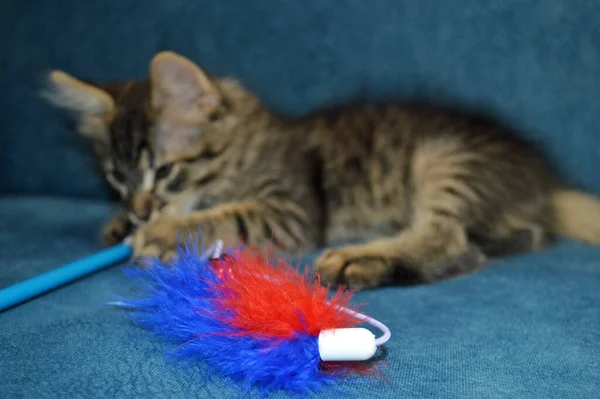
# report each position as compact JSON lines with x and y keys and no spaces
{"x":525,"y":327}
{"x":40,"y":233}
{"x":533,"y":63}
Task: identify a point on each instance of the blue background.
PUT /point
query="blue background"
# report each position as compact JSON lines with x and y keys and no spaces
{"x":526,"y":327}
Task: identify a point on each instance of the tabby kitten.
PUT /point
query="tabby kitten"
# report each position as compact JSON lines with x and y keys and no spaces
{"x":427,"y":194}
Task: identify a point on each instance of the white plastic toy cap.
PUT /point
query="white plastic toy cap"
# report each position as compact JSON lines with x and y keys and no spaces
{"x":346,"y":344}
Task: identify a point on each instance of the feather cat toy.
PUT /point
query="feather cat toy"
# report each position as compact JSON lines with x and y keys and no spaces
{"x":263,"y":325}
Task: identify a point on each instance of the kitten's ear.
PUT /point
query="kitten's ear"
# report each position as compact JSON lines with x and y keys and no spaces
{"x":181,"y":90}
{"x":70,"y":93}
{"x":94,"y":107}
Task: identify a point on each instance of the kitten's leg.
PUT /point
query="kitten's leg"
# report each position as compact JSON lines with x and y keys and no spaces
{"x":116,"y":229}
{"x":453,"y":191}
{"x":280,"y":223}
{"x":436,"y":252}
{"x":526,"y":239}
{"x":434,"y":249}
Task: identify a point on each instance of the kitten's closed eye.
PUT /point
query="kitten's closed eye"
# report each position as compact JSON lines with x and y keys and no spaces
{"x":117,"y":180}
{"x":117,"y":175}
{"x":164,"y":171}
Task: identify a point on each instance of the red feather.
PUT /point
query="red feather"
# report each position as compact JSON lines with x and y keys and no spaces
{"x":275,"y":300}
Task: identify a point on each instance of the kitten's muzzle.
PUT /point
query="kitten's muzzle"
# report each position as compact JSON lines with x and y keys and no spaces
{"x":141,"y":205}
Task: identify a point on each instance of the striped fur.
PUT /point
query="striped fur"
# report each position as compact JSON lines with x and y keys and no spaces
{"x":428,"y":194}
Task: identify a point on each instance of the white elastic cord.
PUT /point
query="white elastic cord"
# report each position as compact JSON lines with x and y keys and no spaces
{"x":387,"y":334}
{"x":214,"y":251}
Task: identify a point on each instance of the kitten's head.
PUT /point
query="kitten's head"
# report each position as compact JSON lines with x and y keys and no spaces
{"x":145,"y":133}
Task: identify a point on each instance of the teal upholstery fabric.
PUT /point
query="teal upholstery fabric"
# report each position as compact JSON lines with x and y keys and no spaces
{"x":527,"y":327}
{"x":532,"y":64}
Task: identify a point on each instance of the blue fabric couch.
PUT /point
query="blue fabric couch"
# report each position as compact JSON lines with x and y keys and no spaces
{"x":526,"y":327}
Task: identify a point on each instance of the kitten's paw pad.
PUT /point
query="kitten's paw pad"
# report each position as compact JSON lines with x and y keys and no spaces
{"x":329,"y":266}
{"x":356,"y":272}
{"x":167,"y":256}
{"x":365,"y":273}
{"x":157,"y":239}
{"x":115,"y":230}
{"x":148,"y":251}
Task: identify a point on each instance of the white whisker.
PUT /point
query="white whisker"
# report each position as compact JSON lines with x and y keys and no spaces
{"x":148,"y":182}
{"x":134,"y":219}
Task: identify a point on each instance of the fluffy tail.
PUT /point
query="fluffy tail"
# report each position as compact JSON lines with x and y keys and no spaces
{"x":577,"y":215}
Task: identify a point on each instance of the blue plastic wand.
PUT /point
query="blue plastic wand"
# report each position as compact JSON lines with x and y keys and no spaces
{"x":27,"y":289}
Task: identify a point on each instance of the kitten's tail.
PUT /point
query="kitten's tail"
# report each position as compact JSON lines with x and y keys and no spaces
{"x":577,"y":215}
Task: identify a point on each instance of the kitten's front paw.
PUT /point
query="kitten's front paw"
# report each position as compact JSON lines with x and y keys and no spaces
{"x":116,"y":230}
{"x":349,"y":267}
{"x":158,"y":238}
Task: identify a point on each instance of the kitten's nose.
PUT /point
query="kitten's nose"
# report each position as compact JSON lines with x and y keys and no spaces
{"x":141,"y":205}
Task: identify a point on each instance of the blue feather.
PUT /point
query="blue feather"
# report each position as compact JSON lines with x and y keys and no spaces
{"x":167,"y":304}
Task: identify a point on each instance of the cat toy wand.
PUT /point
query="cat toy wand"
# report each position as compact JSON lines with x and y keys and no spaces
{"x":316,"y":339}
{"x":28,"y":289}
{"x":258,"y":321}
{"x":43,"y":283}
